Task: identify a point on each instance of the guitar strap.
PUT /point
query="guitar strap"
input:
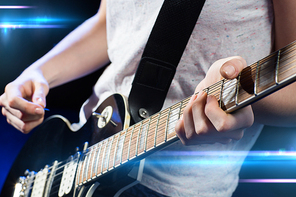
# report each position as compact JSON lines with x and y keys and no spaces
{"x":161,"y":56}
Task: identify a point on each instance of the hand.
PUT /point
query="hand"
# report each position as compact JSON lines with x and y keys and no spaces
{"x":203,"y":121}
{"x":23,"y":101}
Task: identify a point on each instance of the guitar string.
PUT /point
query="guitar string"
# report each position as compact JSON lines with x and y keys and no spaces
{"x":214,"y":88}
{"x":151,"y":133}
{"x":254,"y":67}
{"x":48,"y":175}
{"x":118,"y":137}
{"x":49,"y":170}
{"x":54,"y":178}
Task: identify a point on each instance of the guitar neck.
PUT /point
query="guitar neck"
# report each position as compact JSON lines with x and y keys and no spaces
{"x":253,"y":83}
{"x":133,"y":143}
{"x":257,"y":80}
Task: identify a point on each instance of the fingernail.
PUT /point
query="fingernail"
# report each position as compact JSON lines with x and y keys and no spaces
{"x":193,"y":97}
{"x":39,"y":110}
{"x":39,"y":100}
{"x":201,"y":93}
{"x":229,"y":70}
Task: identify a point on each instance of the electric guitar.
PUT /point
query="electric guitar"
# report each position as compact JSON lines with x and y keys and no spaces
{"x":114,"y":159}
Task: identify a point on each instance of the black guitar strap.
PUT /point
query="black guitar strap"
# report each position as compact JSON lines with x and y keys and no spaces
{"x":161,"y":56}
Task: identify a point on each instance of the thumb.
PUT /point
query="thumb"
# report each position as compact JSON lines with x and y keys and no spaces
{"x":231,"y":68}
{"x":39,"y":96}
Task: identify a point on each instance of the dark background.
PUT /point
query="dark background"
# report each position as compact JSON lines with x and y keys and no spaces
{"x":20,"y":47}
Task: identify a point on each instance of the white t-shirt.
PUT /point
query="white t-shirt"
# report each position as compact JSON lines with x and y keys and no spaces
{"x":225,"y":28}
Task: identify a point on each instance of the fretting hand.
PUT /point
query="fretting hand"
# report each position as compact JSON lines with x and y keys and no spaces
{"x":203,"y":121}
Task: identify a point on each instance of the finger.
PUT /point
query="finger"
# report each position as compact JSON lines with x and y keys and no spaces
{"x":201,"y":122}
{"x":231,"y":68}
{"x":24,"y":110}
{"x":186,"y":125}
{"x":224,"y":122}
{"x":180,"y":130}
{"x":23,"y":126}
{"x":39,"y":96}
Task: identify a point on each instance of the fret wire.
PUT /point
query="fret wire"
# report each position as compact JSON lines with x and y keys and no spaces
{"x":105,"y":147}
{"x":173,"y":118}
{"x":221,"y":92}
{"x":256,"y":79}
{"x":109,"y":151}
{"x":152,"y":128}
{"x":101,"y":157}
{"x":237,"y":88}
{"x":116,"y":147}
{"x":98,"y":157}
{"x":87,"y":164}
{"x":288,"y":49}
{"x":91,"y":162}
{"x":123,"y":146}
{"x":214,"y":87}
{"x":128,"y":155}
{"x":94,"y":150}
{"x":236,"y":98}
{"x":277,"y":68}
{"x":104,"y":154}
{"x":180,"y":110}
{"x":147,"y":132}
{"x":252,"y":67}
{"x":138,"y":138}
{"x":287,"y":58}
{"x":83,"y":164}
{"x":156,"y":128}
{"x":79,"y":174}
{"x":167,"y":123}
{"x":161,"y":126}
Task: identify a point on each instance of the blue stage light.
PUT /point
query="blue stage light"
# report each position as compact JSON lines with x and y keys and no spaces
{"x":11,"y":21}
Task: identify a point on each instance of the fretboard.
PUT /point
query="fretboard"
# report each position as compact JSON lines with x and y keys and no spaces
{"x":254,"y":82}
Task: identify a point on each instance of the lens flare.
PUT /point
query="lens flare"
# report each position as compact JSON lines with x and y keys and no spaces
{"x":15,"y":7}
{"x":267,"y":180}
{"x":12,"y":21}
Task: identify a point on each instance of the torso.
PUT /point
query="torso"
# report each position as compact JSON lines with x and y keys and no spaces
{"x":225,"y":28}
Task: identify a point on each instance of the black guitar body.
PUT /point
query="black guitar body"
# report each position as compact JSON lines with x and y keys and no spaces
{"x":55,"y":141}
{"x":51,"y":141}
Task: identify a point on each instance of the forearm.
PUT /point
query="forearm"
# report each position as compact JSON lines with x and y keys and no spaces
{"x":279,"y":109}
{"x":284,"y":22}
{"x":81,"y":52}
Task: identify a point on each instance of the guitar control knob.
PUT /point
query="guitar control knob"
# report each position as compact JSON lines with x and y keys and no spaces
{"x":105,"y":117}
